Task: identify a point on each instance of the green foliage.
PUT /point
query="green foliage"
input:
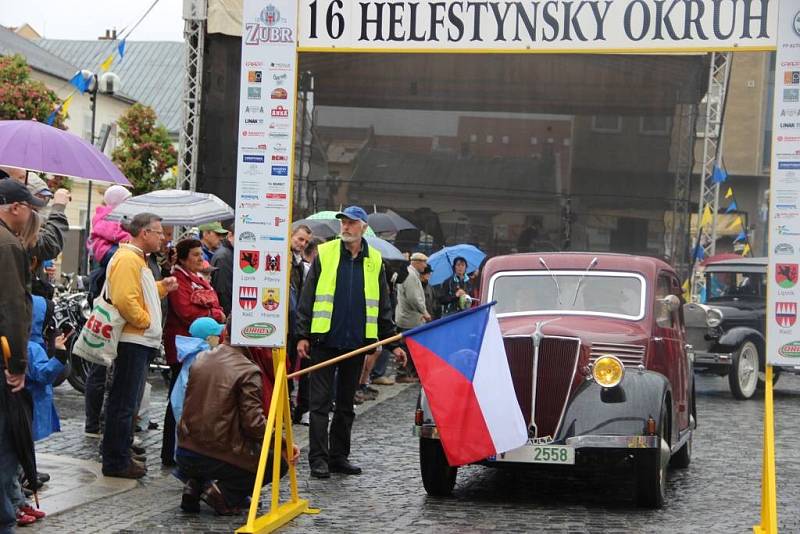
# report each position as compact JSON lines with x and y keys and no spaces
{"x":24,"y":98}
{"x":144,"y":152}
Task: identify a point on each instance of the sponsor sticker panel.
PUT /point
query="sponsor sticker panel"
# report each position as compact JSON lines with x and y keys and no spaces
{"x":783,"y":330}
{"x":264,"y":171}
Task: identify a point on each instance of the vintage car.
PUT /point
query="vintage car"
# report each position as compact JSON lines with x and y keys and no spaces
{"x":596,"y":349}
{"x":727,"y":331}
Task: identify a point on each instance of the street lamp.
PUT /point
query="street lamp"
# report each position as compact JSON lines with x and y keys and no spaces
{"x":106,"y":83}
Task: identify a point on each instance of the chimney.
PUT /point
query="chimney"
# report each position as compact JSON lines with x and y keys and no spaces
{"x":108,"y":36}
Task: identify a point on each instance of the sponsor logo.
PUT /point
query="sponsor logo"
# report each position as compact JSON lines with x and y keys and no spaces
{"x":248,"y":261}
{"x":786,"y":275}
{"x":249,"y":205}
{"x":277,"y":65}
{"x":788,"y":125}
{"x":784,"y":249}
{"x":791,"y":95}
{"x":272,"y":263}
{"x":253,"y":169}
{"x":272,"y":238}
{"x":254,"y":109}
{"x":258,"y":330}
{"x":280,"y":170}
{"x":254,"y":121}
{"x":253,"y":64}
{"x":254,"y":76}
{"x":278,"y":135}
{"x":248,"y":197}
{"x":791,"y":77}
{"x":253,"y":158}
{"x":784,"y":229}
{"x":279,"y":157}
{"x":278,"y":126}
{"x":789,"y":165}
{"x":260,"y":146}
{"x":790,"y":350}
{"x":279,"y":93}
{"x":248,"y":297}
{"x":786,"y":314}
{"x":280,"y":79}
{"x":252,"y":133}
{"x":247,"y":237}
{"x":279,"y":147}
{"x":276,"y":196}
{"x":269,"y":28}
{"x":279,"y":112}
{"x":254,"y":93}
{"x":792,"y":215}
{"x":270,"y":299}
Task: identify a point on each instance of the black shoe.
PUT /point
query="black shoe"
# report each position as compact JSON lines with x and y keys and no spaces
{"x":344,"y":466}
{"x":190,"y":501}
{"x":320,"y":470}
{"x":43,"y":477}
{"x":138,"y":450}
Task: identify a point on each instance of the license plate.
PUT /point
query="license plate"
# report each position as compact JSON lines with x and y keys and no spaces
{"x":540,"y":454}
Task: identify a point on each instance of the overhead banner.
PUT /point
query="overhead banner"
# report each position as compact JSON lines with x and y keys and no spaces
{"x":264,"y":173}
{"x":599,"y":26}
{"x":783,"y":329}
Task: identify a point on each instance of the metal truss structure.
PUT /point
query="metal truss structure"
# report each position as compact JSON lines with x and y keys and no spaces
{"x":684,"y":128}
{"x":194,"y":14}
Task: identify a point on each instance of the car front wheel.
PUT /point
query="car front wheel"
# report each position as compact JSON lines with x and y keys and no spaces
{"x":438,"y":477}
{"x":743,"y":377}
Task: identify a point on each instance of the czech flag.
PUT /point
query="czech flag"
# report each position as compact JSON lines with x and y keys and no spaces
{"x":462,"y":365}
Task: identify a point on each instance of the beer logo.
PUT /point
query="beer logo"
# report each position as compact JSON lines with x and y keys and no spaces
{"x":248,"y":297}
{"x":248,"y":261}
{"x":258,"y":330}
{"x":278,"y":94}
{"x":785,"y":314}
{"x":786,"y":275}
{"x":272,"y":262}
{"x":790,"y":350}
{"x":270,"y":299}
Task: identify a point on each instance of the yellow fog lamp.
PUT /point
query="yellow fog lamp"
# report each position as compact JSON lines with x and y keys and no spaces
{"x":608,"y":371}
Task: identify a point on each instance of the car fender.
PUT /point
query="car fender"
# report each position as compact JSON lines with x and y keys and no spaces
{"x":734,"y":337}
{"x":619,"y":411}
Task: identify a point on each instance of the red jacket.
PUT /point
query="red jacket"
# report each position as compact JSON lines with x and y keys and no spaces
{"x":194,"y":298}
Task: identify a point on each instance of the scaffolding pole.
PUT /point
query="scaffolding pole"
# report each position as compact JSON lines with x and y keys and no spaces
{"x":194,"y":15}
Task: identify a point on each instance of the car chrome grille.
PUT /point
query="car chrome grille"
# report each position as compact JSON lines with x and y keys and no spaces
{"x":555,"y":372}
{"x":629,"y":355}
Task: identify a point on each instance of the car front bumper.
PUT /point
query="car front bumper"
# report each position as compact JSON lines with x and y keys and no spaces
{"x":577,"y":442}
{"x":710,"y":360}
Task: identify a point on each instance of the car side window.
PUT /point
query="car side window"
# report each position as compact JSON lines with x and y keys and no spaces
{"x":662,"y":313}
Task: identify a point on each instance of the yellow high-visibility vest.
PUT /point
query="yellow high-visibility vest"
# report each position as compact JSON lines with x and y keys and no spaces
{"x":329,"y":255}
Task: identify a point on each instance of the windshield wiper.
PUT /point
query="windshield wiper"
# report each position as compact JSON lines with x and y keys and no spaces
{"x":555,"y":281}
{"x":578,"y":287}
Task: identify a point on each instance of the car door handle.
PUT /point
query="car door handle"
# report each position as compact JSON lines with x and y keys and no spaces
{"x":658,"y":339}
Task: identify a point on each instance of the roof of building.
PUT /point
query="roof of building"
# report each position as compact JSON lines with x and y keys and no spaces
{"x":41,"y":59}
{"x":151,"y":72}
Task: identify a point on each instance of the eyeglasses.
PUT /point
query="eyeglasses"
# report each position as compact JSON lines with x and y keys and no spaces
{"x":159,"y":232}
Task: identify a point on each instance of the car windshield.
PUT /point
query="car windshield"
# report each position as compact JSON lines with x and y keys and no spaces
{"x":732,"y":285}
{"x":600,"y":293}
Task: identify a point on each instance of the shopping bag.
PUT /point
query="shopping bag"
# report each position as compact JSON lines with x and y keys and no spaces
{"x":100,"y":335}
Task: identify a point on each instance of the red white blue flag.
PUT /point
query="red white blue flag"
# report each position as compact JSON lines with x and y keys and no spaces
{"x":462,"y":365}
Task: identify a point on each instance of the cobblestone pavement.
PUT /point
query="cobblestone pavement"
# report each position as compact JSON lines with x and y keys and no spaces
{"x":720,"y":491}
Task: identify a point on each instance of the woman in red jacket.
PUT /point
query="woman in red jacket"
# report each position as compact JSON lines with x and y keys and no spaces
{"x":193,"y":299}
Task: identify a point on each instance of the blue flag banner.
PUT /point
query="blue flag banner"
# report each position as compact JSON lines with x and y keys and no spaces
{"x":80,"y":82}
{"x":121,"y":49}
{"x":741,"y":237}
{"x":732,"y":207}
{"x":719,"y":175}
{"x":52,"y":117}
{"x":699,"y":253}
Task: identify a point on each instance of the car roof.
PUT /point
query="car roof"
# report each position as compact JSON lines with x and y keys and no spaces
{"x":577,"y":261}
{"x":758,"y":265}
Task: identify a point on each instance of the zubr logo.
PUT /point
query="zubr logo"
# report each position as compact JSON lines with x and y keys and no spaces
{"x":790,"y":350}
{"x":258,"y":330}
{"x":268,"y":28}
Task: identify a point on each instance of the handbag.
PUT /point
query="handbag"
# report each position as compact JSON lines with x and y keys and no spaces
{"x":99,"y":337}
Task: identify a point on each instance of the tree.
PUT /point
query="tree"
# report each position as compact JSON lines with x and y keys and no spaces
{"x":24,"y":98}
{"x":144,"y":153}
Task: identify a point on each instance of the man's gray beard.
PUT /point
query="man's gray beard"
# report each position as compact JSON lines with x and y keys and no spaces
{"x":350,"y":238}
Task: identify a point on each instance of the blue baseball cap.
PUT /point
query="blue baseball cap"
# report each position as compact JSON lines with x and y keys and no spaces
{"x":204,"y":327}
{"x":354,"y":213}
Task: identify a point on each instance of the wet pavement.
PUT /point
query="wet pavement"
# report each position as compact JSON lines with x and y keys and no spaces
{"x":719,"y":492}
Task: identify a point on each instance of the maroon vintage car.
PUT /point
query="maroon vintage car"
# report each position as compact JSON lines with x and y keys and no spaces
{"x":597,"y":351}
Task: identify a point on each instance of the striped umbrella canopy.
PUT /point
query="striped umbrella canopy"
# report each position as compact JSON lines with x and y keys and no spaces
{"x":175,"y":207}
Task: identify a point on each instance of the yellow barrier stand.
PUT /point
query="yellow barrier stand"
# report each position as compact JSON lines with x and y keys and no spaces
{"x":279,"y":416}
{"x":769,"y":505}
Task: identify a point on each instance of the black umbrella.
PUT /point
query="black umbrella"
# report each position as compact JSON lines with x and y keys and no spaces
{"x":18,"y":408}
{"x":389,"y":222}
{"x":324,"y":228}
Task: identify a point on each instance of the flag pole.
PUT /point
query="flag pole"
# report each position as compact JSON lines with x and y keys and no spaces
{"x":362,"y":350}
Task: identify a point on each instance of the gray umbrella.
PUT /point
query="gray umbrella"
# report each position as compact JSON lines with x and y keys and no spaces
{"x":322,"y":228}
{"x":387,"y":250}
{"x":175,"y":207}
{"x":389,"y":222}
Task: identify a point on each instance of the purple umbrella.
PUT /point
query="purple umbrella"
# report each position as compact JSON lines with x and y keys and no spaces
{"x":38,"y":147}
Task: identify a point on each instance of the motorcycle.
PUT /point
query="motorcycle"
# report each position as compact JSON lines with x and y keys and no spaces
{"x":71,"y":311}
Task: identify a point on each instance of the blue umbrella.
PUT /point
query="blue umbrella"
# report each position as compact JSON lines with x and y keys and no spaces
{"x":442,"y":261}
{"x":388,"y":251}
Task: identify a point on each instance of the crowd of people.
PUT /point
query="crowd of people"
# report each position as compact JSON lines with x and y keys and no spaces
{"x":343,"y":295}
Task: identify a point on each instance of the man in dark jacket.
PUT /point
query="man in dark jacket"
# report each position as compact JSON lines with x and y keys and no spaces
{"x":16,"y":208}
{"x":220,"y":434}
{"x":222,"y":277}
{"x":344,"y":305}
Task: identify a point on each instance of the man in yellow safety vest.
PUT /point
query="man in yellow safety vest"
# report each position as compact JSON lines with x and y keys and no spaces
{"x":344,"y":305}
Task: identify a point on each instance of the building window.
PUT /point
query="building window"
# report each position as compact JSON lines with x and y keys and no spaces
{"x":534,"y":140}
{"x":490,"y":139}
{"x":654,"y":125}
{"x":505,"y":139}
{"x":607,"y":123}
{"x":473,"y":138}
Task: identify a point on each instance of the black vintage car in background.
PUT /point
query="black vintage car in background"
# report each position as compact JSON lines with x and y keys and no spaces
{"x":727,"y":330}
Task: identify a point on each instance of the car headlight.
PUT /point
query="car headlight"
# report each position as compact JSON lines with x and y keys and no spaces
{"x":713,"y":317}
{"x":608,"y":371}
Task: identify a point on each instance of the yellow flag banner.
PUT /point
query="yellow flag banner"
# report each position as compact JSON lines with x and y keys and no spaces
{"x":707,"y":217}
{"x":105,"y":65}
{"x":729,"y":193}
{"x":746,"y":249}
{"x":65,"y":106}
